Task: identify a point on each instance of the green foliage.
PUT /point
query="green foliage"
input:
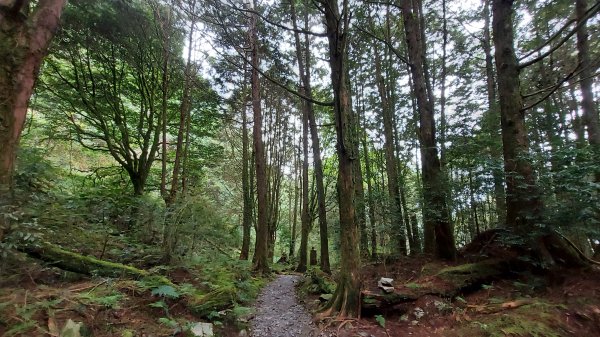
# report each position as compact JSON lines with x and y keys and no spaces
{"x":171,"y":323}
{"x":166,"y":291}
{"x":539,"y":319}
{"x":412,"y":285}
{"x":26,"y":321}
{"x":380,"y":320}
{"x":573,"y":204}
{"x":102,"y":296}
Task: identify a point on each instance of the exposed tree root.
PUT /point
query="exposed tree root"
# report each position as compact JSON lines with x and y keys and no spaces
{"x":497,"y":254}
{"x":345,"y":301}
{"x":579,"y":252}
{"x":447,"y":283}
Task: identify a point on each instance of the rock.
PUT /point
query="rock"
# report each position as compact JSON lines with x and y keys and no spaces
{"x":243,"y":333}
{"x":386,"y":284}
{"x":385,"y":281}
{"x":419,"y":313}
{"x":202,"y":330}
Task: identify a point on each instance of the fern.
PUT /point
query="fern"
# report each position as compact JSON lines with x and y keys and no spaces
{"x":166,"y":291}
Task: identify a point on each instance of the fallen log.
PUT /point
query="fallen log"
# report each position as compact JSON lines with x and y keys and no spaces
{"x":82,"y":264}
{"x":216,"y":300}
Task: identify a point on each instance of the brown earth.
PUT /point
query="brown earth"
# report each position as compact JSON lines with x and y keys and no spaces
{"x":527,"y":305}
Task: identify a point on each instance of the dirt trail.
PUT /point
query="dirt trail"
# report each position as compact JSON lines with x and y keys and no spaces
{"x":278,"y":313}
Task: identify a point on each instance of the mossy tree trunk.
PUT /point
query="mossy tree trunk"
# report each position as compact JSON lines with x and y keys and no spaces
{"x":82,"y":264}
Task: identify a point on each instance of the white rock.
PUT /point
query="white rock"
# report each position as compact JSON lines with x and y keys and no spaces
{"x":386,"y":281}
{"x":386,"y":284}
{"x":202,"y":330}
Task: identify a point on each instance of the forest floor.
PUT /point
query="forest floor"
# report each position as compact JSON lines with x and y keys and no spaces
{"x":526,"y":305}
{"x":37,"y":300}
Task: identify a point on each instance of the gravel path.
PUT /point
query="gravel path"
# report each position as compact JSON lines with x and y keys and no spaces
{"x":278,"y":313}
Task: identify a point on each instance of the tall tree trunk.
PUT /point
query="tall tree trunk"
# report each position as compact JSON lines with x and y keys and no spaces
{"x":305,"y":218}
{"x":186,"y":151}
{"x":523,"y":203}
{"x":304,"y":62}
{"x":395,"y":206}
{"x":346,"y":299}
{"x":164,"y":100}
{"x":370,"y":192}
{"x":261,"y":263}
{"x":184,"y":110}
{"x":589,"y":108}
{"x":297,"y":183}
{"x":246,"y":186}
{"x":443,"y":74}
{"x":359,"y":190}
{"x":25,"y":39}
{"x":493,"y":120}
{"x":435,"y":213}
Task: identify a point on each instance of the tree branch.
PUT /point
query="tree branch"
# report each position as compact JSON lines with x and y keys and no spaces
{"x":591,"y":12}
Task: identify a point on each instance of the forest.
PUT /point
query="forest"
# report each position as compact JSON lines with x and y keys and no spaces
{"x":299,"y":168}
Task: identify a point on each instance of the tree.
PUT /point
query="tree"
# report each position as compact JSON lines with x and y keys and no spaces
{"x":391,"y":168}
{"x":523,"y":203}
{"x":246,"y":184}
{"x":304,"y":66}
{"x":261,"y":252}
{"x":346,"y":299}
{"x":25,"y":34}
{"x":492,"y":117}
{"x":435,"y":212}
{"x":184,"y":107}
{"x":590,"y":110}
{"x":103,"y":75}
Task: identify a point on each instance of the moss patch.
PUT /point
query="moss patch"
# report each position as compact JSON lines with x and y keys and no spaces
{"x":538,"y":319}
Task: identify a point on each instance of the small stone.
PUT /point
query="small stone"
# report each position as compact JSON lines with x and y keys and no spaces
{"x":201,"y":329}
{"x":386,"y":284}
{"x":385,"y":281}
{"x":419,"y":313}
{"x":243,"y":333}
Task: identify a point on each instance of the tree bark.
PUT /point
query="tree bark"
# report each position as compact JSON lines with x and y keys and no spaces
{"x":369,"y":178}
{"x":435,"y":212}
{"x":305,"y":218}
{"x":261,"y":263}
{"x":304,"y":61}
{"x":26,"y":38}
{"x":346,"y":299}
{"x":184,"y":110}
{"x":523,"y":203}
{"x":493,"y":119}
{"x":395,"y":205}
{"x":297,"y":181}
{"x":246,"y":186}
